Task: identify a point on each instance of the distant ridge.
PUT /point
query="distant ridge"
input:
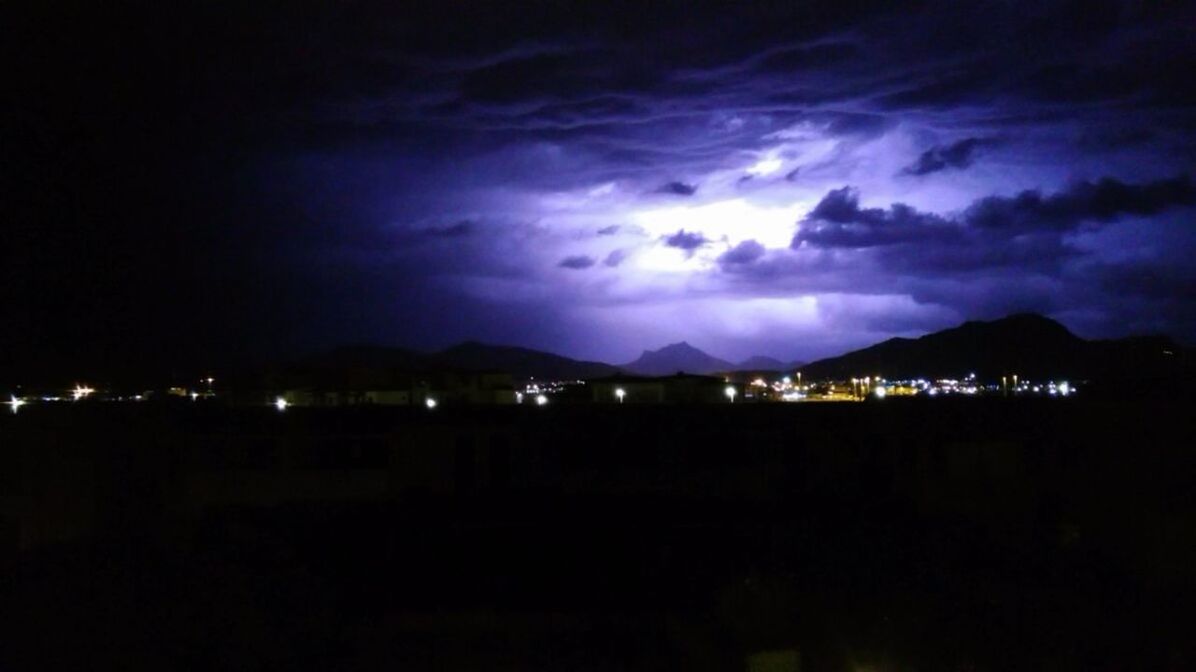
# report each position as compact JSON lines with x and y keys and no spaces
{"x":519,"y":362}
{"x":1025,"y":344}
{"x":674,"y":358}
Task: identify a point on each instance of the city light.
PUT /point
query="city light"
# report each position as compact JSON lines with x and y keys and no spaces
{"x":430,"y":402}
{"x":880,"y":392}
{"x":620,"y":393}
{"x":16,"y":402}
{"x":541,"y":400}
{"x":281,"y":403}
{"x":81,"y":392}
{"x":730,"y":392}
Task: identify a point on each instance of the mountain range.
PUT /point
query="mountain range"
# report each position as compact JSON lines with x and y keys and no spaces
{"x":1029,"y":345}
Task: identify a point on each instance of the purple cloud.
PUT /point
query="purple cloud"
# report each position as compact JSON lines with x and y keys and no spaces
{"x":957,"y":155}
{"x":677,"y":189}
{"x":743,"y":253}
{"x":615,"y":258}
{"x":577,"y":262}
{"x":685,"y":241}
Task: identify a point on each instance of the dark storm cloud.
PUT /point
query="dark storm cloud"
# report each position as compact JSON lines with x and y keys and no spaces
{"x":743,"y":253}
{"x":839,"y":221}
{"x":1152,"y":281}
{"x":615,"y":258}
{"x":685,"y":240}
{"x":959,"y":154}
{"x":677,"y":189}
{"x":577,"y":262}
{"x":859,"y":124}
{"x":608,"y":230}
{"x":1101,"y":201}
{"x":460,"y":229}
{"x":814,"y":57}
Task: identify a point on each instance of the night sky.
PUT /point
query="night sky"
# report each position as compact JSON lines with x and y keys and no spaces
{"x":215,"y":182}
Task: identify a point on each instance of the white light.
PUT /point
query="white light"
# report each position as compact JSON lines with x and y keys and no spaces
{"x":786,"y":380}
{"x":880,"y":392}
{"x":736,"y":220}
{"x":730,"y":392}
{"x":430,"y":402}
{"x":541,"y":400}
{"x":16,"y":403}
{"x":1064,"y":388}
{"x":765,"y":167}
{"x":620,"y":393}
{"x":194,"y":396}
{"x":281,"y":403}
{"x":519,"y":397}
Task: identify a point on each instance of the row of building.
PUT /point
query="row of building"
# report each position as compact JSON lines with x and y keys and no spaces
{"x":455,"y":388}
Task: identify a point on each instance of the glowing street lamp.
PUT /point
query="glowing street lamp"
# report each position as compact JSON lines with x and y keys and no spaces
{"x":541,"y":400}
{"x":281,"y":403}
{"x":880,"y":392}
{"x":81,"y":392}
{"x":430,"y":403}
{"x":16,"y":402}
{"x":730,"y":392}
{"x":620,"y":393}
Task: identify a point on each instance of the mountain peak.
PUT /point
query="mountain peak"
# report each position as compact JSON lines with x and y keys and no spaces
{"x":1025,"y":343}
{"x":676,"y":357}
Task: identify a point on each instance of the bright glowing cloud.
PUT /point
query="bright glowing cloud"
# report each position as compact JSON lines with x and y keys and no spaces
{"x":729,"y":222}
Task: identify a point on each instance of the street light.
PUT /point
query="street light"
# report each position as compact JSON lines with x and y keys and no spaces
{"x":620,"y":393}
{"x":430,"y":402}
{"x":16,"y":403}
{"x":541,"y":400}
{"x":730,"y":392}
{"x":281,"y":403}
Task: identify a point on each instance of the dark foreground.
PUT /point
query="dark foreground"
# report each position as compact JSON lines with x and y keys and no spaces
{"x":951,"y":535}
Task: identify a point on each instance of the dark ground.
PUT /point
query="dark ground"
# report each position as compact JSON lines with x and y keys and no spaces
{"x":949,"y":535}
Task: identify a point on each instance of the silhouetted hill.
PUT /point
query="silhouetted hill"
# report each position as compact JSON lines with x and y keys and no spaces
{"x":677,"y":357}
{"x":519,"y":362}
{"x":1029,"y":345}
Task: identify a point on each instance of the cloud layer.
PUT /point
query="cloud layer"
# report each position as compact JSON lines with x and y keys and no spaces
{"x":787,"y":179}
